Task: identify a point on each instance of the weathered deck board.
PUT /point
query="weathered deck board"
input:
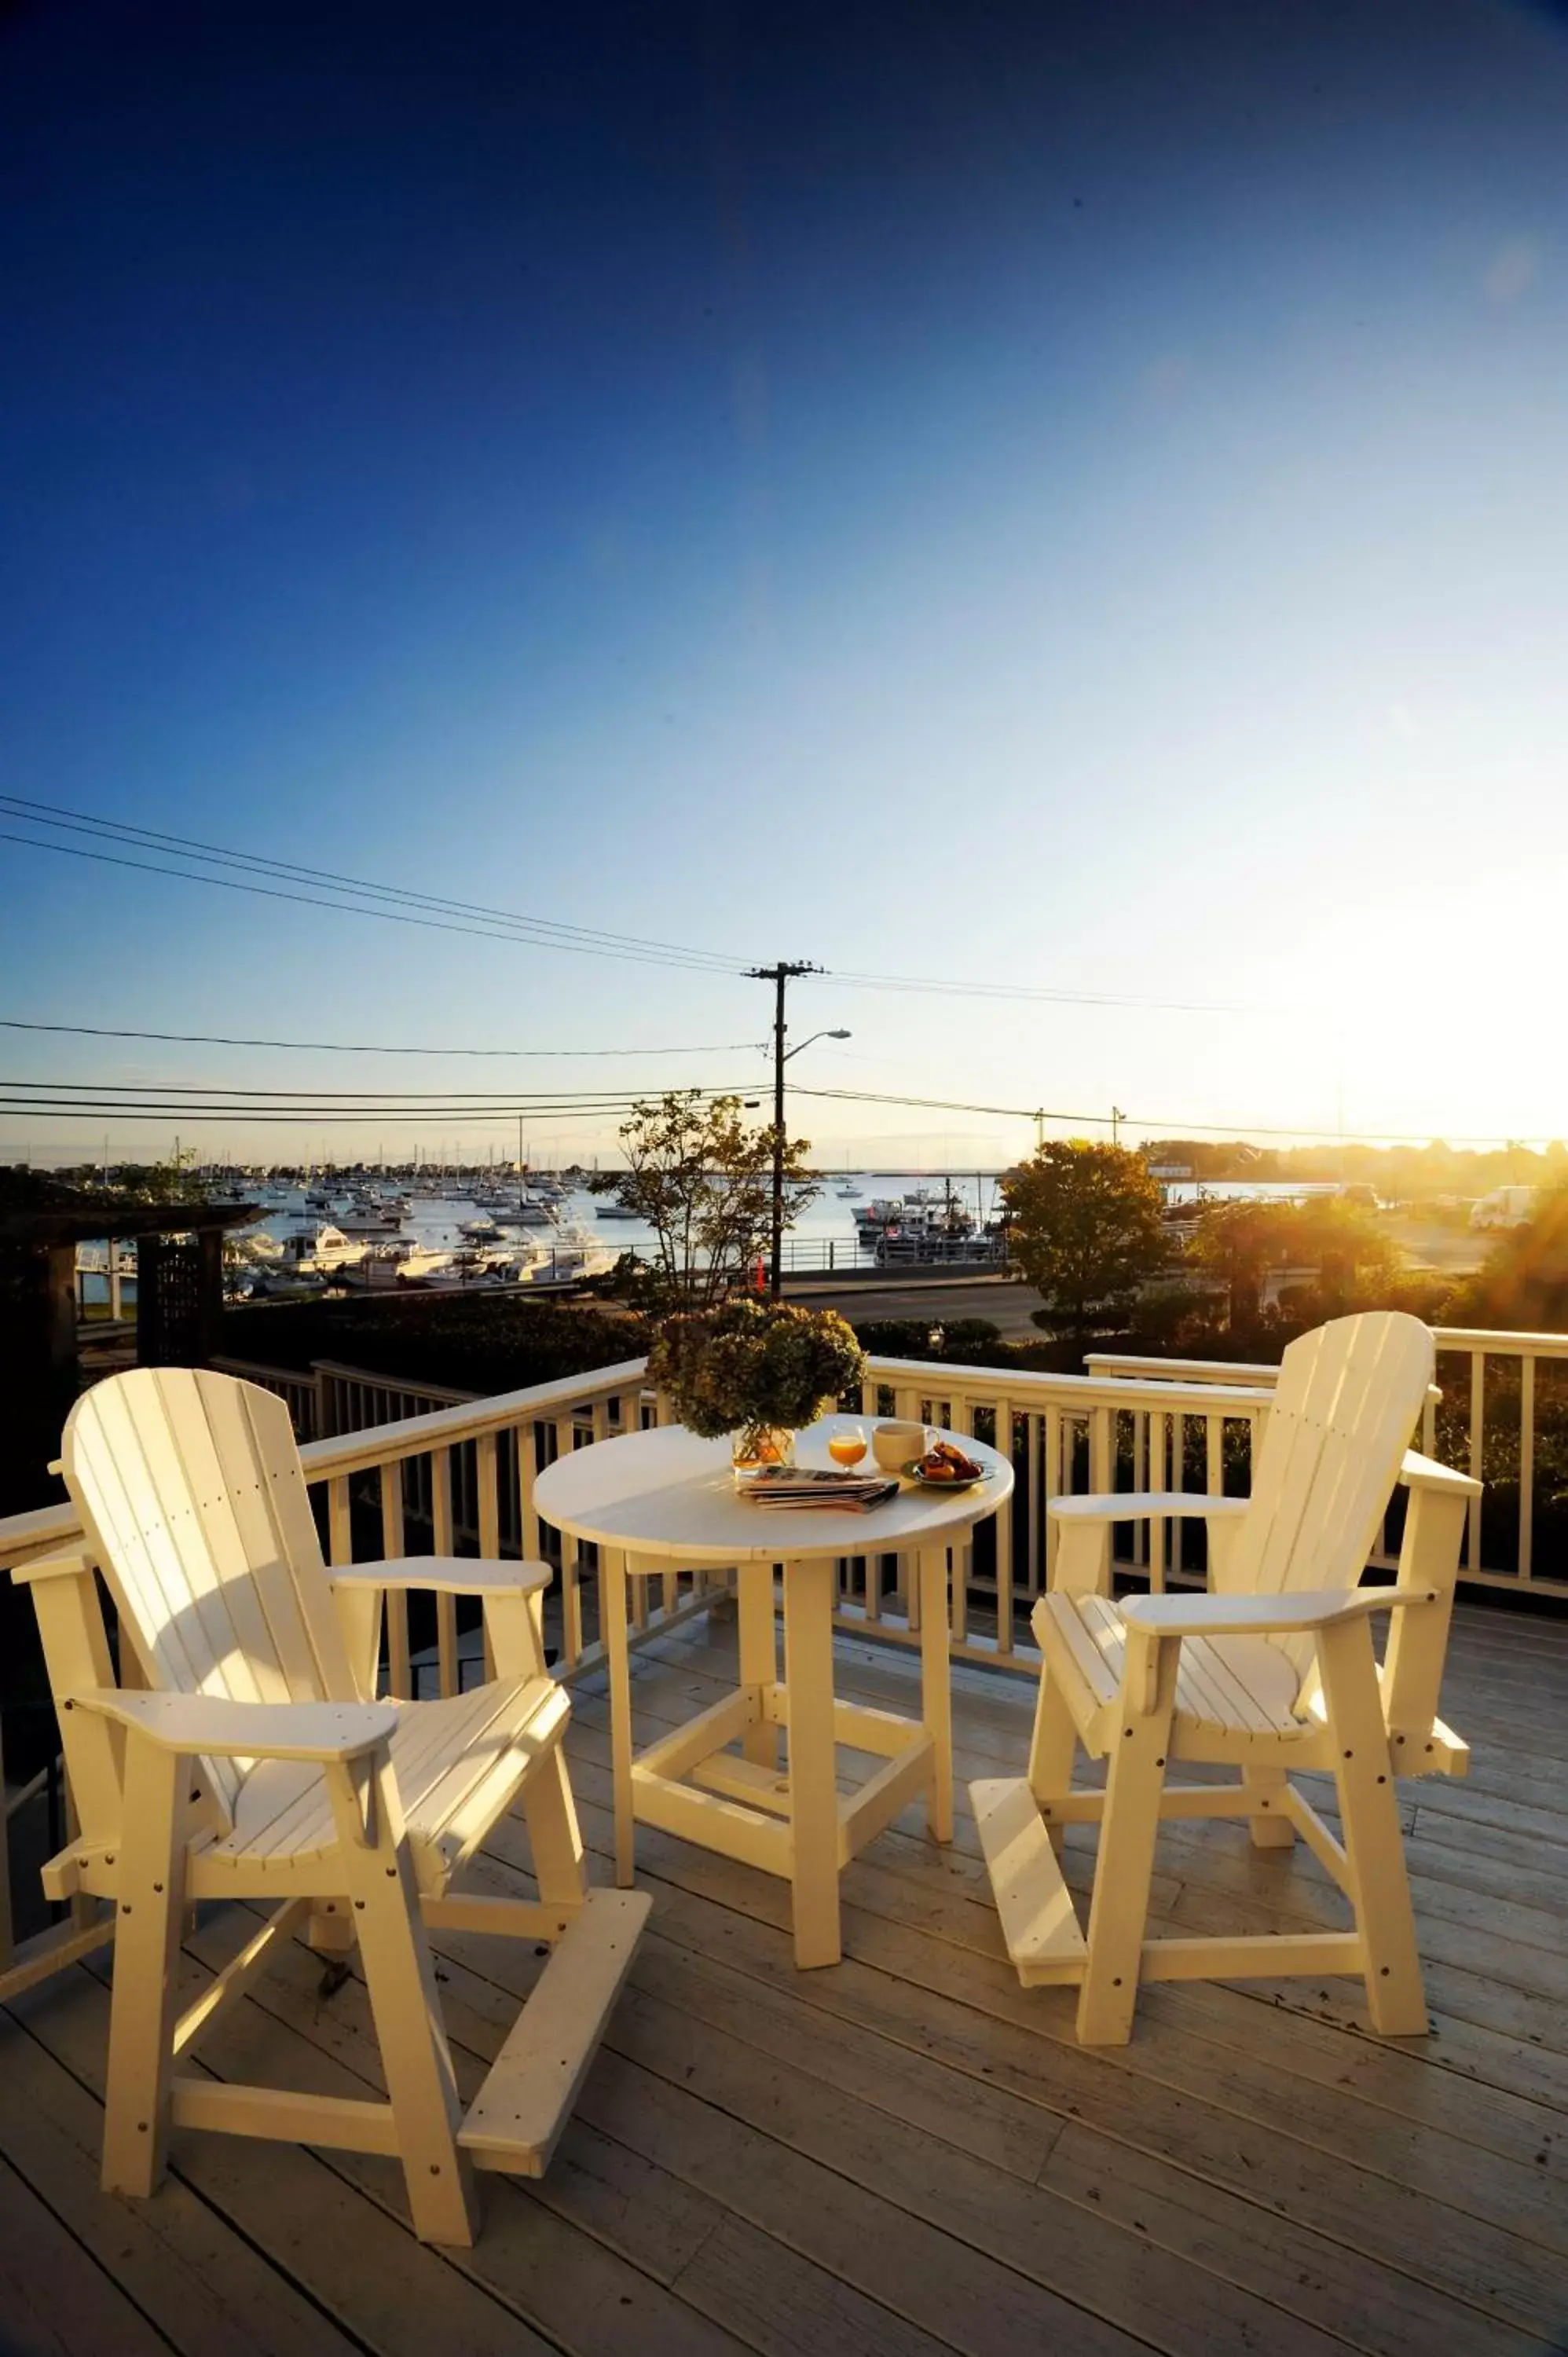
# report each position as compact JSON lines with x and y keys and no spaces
{"x":909,"y":2153}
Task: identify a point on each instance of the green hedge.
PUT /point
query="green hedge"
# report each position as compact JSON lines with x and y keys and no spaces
{"x":479,"y":1342}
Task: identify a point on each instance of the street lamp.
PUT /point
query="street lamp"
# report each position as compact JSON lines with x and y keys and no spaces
{"x":782,"y":1056}
{"x":816,"y":1035}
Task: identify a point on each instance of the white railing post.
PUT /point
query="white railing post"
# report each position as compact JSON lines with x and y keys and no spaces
{"x":1526,"y":1464}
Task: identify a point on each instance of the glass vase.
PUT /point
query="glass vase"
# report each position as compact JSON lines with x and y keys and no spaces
{"x":756,"y":1444}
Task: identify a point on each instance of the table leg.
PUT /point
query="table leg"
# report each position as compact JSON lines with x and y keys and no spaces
{"x":758,"y":1654}
{"x":612,"y":1619}
{"x":936,"y":1688}
{"x":814,"y":1787}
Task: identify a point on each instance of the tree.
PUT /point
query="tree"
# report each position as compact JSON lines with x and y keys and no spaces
{"x":1239,"y":1242}
{"x":1085,"y":1227}
{"x":160,"y":1182}
{"x":1356,"y":1266}
{"x":704,"y":1181}
{"x":1522,"y":1285}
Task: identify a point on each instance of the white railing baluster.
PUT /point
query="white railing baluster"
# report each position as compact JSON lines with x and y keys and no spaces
{"x":1526,"y":1464}
{"x":486,"y":1452}
{"x":960,"y":1424}
{"x":396,"y":1600}
{"x":1478,"y":1453}
{"x":1159,"y":1440}
{"x":448,"y":1675}
{"x":571,"y":1593}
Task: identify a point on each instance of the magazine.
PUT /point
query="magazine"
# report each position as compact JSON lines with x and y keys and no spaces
{"x":790,"y":1486}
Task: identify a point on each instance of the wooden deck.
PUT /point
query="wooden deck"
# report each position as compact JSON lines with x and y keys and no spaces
{"x":906,"y":2153}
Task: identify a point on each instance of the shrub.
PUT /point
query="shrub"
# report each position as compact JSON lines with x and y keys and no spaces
{"x":483,"y":1342}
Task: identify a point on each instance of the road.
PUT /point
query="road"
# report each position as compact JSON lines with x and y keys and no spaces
{"x":936,"y":1300}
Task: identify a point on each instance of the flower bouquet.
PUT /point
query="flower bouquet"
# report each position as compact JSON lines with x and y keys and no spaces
{"x":758,"y":1371}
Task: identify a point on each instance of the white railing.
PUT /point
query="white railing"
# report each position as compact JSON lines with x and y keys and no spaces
{"x":1504,"y":1417}
{"x":1495,"y":1417}
{"x":1064,"y":1433}
{"x":393,"y":1462}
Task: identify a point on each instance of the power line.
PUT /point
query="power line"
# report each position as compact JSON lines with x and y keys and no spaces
{"x":480,"y":920}
{"x":413,"y":1118}
{"x":359,"y":1047}
{"x":192,"y":1101}
{"x":350,"y":907}
{"x":1032,"y":993}
{"x":521,"y":1098}
{"x":1167,"y":1127}
{"x":192,"y":847}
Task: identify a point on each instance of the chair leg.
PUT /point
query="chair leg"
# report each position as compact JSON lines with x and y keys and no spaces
{"x":1124,"y":1865}
{"x":1271,"y":1829}
{"x":149,"y":1907}
{"x":400,"y":1980}
{"x":612,"y":1620}
{"x":1377,"y":1883}
{"x":1052,"y":1750}
{"x":555,"y":1839}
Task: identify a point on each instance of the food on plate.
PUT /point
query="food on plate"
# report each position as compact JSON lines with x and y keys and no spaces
{"x":944,"y":1462}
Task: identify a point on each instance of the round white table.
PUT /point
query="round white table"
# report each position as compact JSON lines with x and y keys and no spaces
{"x":651,"y":1500}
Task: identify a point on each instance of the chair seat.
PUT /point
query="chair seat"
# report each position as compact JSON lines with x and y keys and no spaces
{"x":1234,"y":1685}
{"x":456,"y":1761}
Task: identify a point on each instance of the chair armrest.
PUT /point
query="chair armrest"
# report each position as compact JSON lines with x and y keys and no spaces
{"x":1264,"y":1615}
{"x":221,"y":1729}
{"x":1131,"y":1505}
{"x":1419,"y":1472}
{"x":446,"y":1575}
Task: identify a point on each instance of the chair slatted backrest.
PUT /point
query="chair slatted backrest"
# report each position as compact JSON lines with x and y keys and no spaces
{"x":1347,"y":1402}
{"x":191,"y":1491}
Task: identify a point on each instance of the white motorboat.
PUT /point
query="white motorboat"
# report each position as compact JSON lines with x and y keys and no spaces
{"x":320,"y":1250}
{"x":255,"y":1243}
{"x":573,"y":1253}
{"x":284,"y":1279}
{"x":482,"y":1230}
{"x":526,"y":1211}
{"x":614,"y":1210}
{"x":369,"y":1219}
{"x":423,"y":1265}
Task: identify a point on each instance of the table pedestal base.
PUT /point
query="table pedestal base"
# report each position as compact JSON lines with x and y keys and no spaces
{"x":792,"y":1822}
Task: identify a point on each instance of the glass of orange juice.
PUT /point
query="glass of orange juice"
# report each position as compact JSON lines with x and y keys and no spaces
{"x":847,"y":1446}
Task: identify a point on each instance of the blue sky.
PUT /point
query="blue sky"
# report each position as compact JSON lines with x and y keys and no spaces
{"x":1050,"y":497}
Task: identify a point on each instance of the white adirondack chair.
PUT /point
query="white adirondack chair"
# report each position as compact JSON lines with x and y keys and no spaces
{"x":1271,"y":1670}
{"x":257,"y":1765}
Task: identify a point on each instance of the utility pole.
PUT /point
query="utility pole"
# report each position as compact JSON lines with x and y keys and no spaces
{"x":778,"y":975}
{"x":1117,"y":1118}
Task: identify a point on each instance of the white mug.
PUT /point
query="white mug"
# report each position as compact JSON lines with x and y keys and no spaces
{"x":896,"y":1444}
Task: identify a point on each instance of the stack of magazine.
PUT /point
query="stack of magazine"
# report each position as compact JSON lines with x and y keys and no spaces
{"x":808,"y":1485}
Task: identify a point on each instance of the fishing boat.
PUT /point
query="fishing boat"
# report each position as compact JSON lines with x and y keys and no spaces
{"x":920,"y":1216}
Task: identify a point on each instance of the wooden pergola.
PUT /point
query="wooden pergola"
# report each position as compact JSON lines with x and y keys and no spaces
{"x":179,"y":1301}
